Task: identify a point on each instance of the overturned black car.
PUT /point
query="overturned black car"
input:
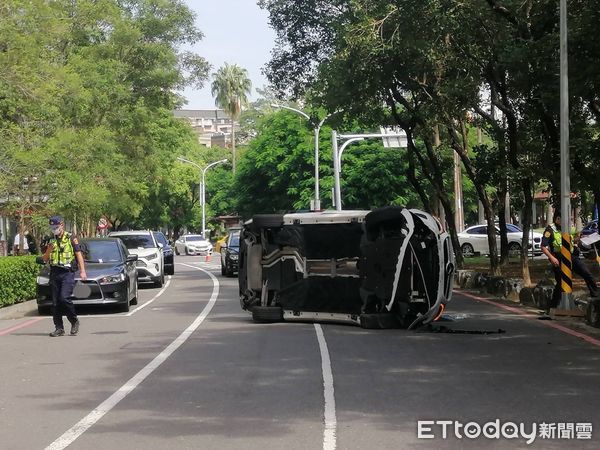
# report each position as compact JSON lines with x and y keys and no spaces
{"x":391,"y":267}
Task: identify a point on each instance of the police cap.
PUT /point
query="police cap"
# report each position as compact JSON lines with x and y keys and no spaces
{"x":56,"y":220}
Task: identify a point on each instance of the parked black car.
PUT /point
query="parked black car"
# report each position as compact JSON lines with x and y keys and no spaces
{"x":230,"y":253}
{"x":111,"y":277}
{"x":168,"y":252}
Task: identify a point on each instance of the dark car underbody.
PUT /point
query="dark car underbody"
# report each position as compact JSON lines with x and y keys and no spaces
{"x":388,"y":268}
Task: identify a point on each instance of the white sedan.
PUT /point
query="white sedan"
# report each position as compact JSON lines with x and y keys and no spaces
{"x":193,"y":244}
{"x":474,"y":240}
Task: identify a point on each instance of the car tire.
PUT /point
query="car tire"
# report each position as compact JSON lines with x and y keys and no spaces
{"x":514,"y":249}
{"x":176,"y":251}
{"x":134,"y":300}
{"x":267,"y":314}
{"x":467,"y":250}
{"x":159,"y":281}
{"x":44,"y":310}
{"x":267,"y":221}
{"x":223,"y":270}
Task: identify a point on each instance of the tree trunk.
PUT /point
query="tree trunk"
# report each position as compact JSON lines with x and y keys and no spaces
{"x":502,"y":223}
{"x":527,"y":212}
{"x":233,"y":144}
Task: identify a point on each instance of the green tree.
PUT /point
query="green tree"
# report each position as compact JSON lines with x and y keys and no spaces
{"x":231,"y":87}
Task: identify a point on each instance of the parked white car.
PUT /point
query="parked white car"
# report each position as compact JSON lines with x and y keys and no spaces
{"x":475,"y":240}
{"x":193,"y":244}
{"x":150,"y":264}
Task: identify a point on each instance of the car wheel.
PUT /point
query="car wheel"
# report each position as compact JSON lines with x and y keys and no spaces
{"x":267,"y":314}
{"x":159,"y":281}
{"x":514,"y":249}
{"x":266,"y":221}
{"x":223,"y":270}
{"x":44,"y":310}
{"x":467,"y":250}
{"x":176,"y":251}
{"x":134,"y":300}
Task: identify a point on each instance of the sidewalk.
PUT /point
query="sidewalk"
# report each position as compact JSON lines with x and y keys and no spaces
{"x":19,"y":310}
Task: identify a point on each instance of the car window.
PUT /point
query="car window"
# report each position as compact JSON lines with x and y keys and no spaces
{"x":512,"y":228}
{"x":133,"y":241}
{"x":234,"y":240}
{"x":101,"y":251}
{"x":194,"y":239}
{"x":477,"y":230}
{"x":161,"y":239}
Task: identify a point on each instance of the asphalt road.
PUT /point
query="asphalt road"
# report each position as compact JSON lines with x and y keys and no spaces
{"x":188,"y":369}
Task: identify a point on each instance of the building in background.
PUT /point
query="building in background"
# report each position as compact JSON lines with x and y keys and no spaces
{"x":212,"y":126}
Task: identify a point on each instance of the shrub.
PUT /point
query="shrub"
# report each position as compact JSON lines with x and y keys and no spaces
{"x":17,"y":279}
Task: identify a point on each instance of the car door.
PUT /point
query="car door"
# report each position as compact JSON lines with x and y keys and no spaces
{"x":481,"y":240}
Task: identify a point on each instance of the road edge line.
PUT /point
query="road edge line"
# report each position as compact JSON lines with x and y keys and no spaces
{"x":550,"y":324}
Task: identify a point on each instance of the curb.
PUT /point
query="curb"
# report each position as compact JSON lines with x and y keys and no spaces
{"x":18,"y":310}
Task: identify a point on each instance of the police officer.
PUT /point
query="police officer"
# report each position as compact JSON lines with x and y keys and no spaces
{"x":551,"y":245}
{"x":64,"y":255}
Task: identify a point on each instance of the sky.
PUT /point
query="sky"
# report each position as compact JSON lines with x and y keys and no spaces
{"x":236,"y":32}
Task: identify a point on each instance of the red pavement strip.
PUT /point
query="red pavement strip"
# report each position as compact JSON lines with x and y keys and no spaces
{"x":550,"y":324}
{"x":21,"y":325}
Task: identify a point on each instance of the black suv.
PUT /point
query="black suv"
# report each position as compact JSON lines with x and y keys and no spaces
{"x":230,"y":253}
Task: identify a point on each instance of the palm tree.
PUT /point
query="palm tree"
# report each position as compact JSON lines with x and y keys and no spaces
{"x":231,"y":87}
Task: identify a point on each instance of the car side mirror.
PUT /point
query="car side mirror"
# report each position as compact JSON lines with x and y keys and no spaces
{"x":160,"y":245}
{"x":39,"y":260}
{"x":132,"y":258}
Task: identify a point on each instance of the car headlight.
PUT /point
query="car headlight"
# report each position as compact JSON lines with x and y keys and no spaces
{"x":112,"y":279}
{"x":43,"y":281}
{"x":152,"y":256}
{"x":233,"y":256}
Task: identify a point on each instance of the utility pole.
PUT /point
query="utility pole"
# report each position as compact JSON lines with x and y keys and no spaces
{"x":566,"y":266}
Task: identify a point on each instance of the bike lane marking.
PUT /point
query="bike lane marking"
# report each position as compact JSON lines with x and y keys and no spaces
{"x":69,"y":436}
{"x":525,"y":314}
{"x":21,"y":325}
{"x":329,"y":434}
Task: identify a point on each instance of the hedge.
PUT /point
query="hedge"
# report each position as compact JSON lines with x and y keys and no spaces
{"x":17,"y":279}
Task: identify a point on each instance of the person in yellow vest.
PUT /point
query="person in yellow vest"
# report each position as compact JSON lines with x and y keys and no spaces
{"x":551,"y":245}
{"x":65,"y":258}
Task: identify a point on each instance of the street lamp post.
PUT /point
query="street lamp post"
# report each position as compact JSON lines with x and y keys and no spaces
{"x":202,"y":189}
{"x":317,"y":130}
{"x":337,"y":156}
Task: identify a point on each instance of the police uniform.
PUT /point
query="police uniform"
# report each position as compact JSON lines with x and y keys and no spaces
{"x":63,"y":266}
{"x":552,"y":240}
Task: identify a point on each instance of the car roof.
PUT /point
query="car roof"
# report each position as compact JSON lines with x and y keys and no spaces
{"x":106,"y":239}
{"x":193,"y":235}
{"x":131,"y":233}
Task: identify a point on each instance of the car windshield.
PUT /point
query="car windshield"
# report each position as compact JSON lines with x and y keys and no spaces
{"x":161,"y":238}
{"x":235,"y":240}
{"x":101,"y":251}
{"x":133,"y":241}
{"x":194,"y":239}
{"x":513,"y":229}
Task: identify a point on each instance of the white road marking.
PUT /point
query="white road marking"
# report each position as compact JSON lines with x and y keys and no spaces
{"x":329,"y":437}
{"x":152,"y":299}
{"x":84,"y":424}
